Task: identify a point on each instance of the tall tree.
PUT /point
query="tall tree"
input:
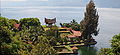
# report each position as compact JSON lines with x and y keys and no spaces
{"x":90,"y":22}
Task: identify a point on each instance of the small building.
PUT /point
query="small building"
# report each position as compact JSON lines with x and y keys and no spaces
{"x":74,"y":49}
{"x":72,"y":33}
{"x":16,"y":26}
{"x":75,"y":34}
{"x":50,"y":21}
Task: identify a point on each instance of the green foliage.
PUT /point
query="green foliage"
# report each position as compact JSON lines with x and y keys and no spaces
{"x":90,"y":22}
{"x":116,"y":44}
{"x":44,"y":26}
{"x":12,"y":22}
{"x":53,"y":31}
{"x":52,"y":40}
{"x":43,"y":47}
{"x":115,"y":47}
{"x":31,"y":40}
{"x":50,"y":32}
{"x":105,"y":51}
{"x":73,"y":24}
{"x":4,"y":22}
{"x":29,"y":22}
{"x":5,"y":35}
{"x":10,"y":49}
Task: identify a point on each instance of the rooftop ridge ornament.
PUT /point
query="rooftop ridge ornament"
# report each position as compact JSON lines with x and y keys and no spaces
{"x":50,"y":21}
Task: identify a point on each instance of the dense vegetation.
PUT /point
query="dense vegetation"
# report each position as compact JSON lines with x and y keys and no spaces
{"x":115,"y":47}
{"x":73,"y":24}
{"x":28,"y":39}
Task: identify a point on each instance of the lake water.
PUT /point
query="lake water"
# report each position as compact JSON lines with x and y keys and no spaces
{"x":87,"y":51}
{"x":109,"y":12}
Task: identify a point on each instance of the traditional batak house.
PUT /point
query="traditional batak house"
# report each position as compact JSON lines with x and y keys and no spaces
{"x":50,"y":21}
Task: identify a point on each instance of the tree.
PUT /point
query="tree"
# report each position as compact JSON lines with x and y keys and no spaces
{"x":73,"y":24}
{"x":12,"y":22}
{"x":116,"y":44}
{"x":4,"y":22}
{"x":115,"y":47}
{"x":26,"y":22}
{"x":43,"y":47}
{"x":90,"y":22}
{"x":5,"y":35}
{"x":31,"y":40}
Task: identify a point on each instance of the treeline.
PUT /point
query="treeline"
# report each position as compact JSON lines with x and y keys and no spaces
{"x":24,"y":37}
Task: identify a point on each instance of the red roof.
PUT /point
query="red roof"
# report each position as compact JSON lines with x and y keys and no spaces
{"x":75,"y":34}
{"x":74,"y":48}
{"x":71,"y":36}
{"x":16,"y":25}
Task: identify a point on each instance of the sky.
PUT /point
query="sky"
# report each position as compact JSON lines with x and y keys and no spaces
{"x":65,"y":11}
{"x":68,"y":3}
{"x":51,"y":8}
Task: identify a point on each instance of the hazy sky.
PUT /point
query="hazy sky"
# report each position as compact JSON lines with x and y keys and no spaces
{"x":72,"y":9}
{"x":68,"y":3}
{"x":50,"y":8}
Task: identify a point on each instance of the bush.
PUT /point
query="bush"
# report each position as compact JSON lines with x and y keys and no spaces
{"x":115,"y":47}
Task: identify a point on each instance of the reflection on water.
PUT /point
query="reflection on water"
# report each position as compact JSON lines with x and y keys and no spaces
{"x":87,"y":51}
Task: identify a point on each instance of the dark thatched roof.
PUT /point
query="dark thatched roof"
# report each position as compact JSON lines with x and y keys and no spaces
{"x":50,"y":21}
